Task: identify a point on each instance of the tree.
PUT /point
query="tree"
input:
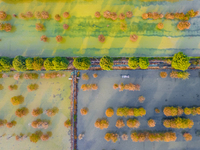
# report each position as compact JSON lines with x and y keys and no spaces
{"x":12,"y":87}
{"x":37,"y":63}
{"x":20,"y":112}
{"x":67,"y":123}
{"x":84,"y":111}
{"x":32,"y":87}
{"x":151,"y":123}
{"x":16,"y":100}
{"x":143,"y":62}
{"x":120,"y":123}
{"x":106,"y":63}
{"x":180,"y":61}
{"x":85,"y":76}
{"x":19,"y":63}
{"x":5,"y":64}
{"x":109,"y":112}
{"x":29,"y":63}
{"x":36,"y":112}
{"x":48,"y":65}
{"x":35,"y":137}
{"x":82,"y":63}
{"x":60,"y":63}
{"x":133,"y":62}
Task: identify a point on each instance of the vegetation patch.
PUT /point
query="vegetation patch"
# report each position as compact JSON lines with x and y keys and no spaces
{"x":111,"y":137}
{"x":101,"y":124}
{"x":125,"y":111}
{"x":86,"y":87}
{"x":130,"y":87}
{"x":180,"y":75}
{"x":173,"y":111}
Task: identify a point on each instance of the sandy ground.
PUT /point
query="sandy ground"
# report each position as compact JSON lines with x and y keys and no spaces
{"x":158,"y":93}
{"x":81,"y":39}
{"x":51,"y":93}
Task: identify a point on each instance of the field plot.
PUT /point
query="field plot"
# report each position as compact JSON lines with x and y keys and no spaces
{"x":158,"y":93}
{"x":81,"y":39}
{"x":51,"y":93}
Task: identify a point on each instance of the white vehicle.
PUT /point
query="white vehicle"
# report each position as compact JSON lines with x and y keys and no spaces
{"x":125,"y":76}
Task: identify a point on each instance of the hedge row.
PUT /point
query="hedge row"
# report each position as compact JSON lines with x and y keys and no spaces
{"x":180,"y":61}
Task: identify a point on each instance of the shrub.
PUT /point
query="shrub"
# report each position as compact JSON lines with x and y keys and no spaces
{"x":2,"y":122}
{"x":124,"y":137}
{"x":16,"y":100}
{"x":19,"y":63}
{"x":52,"y":112}
{"x":7,"y":27}
{"x":12,"y":87}
{"x":143,"y":62}
{"x":44,"y":38}
{"x":160,"y":25}
{"x":111,"y":136}
{"x":129,"y":14}
{"x":20,"y":112}
{"x":133,"y":37}
{"x":31,"y":76}
{"x":85,"y":76}
{"x":36,"y":112}
{"x":65,"y":26}
{"x":180,"y":61}
{"x":95,"y":75}
{"x":67,"y":123}
{"x":59,"y":38}
{"x":97,"y":14}
{"x":133,"y":63}
{"x":163,"y":74}
{"x":60,"y":63}
{"x":32,"y":87}
{"x":66,"y":14}
{"x":37,"y":63}
{"x":48,"y":65}
{"x":11,"y":124}
{"x":151,"y":123}
{"x":86,"y":87}
{"x":141,"y":99}
{"x":120,"y":123}
{"x":123,"y":26}
{"x":101,"y":38}
{"x":106,"y":63}
{"x":57,"y":17}
{"x":187,"y":136}
{"x":44,"y":137}
{"x":109,"y":112}
{"x":1,"y":87}
{"x":133,"y":123}
{"x":178,"y":123}
{"x":101,"y":124}
{"x":3,"y":15}
{"x":82,"y":63}
{"x":29,"y":63}
{"x":5,"y":64}
{"x":115,"y":86}
{"x":35,"y":137}
{"x":39,"y":26}
{"x":45,"y":15}
{"x":84,"y":111}
{"x":180,"y":75}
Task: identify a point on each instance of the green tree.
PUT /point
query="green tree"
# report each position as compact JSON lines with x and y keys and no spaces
{"x":5,"y":64}
{"x":19,"y":63}
{"x":143,"y":62}
{"x":180,"y":61}
{"x":60,"y":63}
{"x":82,"y":63}
{"x":48,"y":65}
{"x":106,"y":63}
{"x":133,"y":62}
{"x":37,"y":63}
{"x":29,"y":63}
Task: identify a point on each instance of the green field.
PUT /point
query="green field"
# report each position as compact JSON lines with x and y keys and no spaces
{"x":81,"y":39}
{"x":51,"y":93}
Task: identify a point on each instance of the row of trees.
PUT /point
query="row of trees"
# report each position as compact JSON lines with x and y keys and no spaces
{"x":180,"y":62}
{"x":179,"y":123}
{"x":86,"y":87}
{"x":178,"y":111}
{"x":130,"y":87}
{"x":153,"y":137}
{"x":125,"y":111}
